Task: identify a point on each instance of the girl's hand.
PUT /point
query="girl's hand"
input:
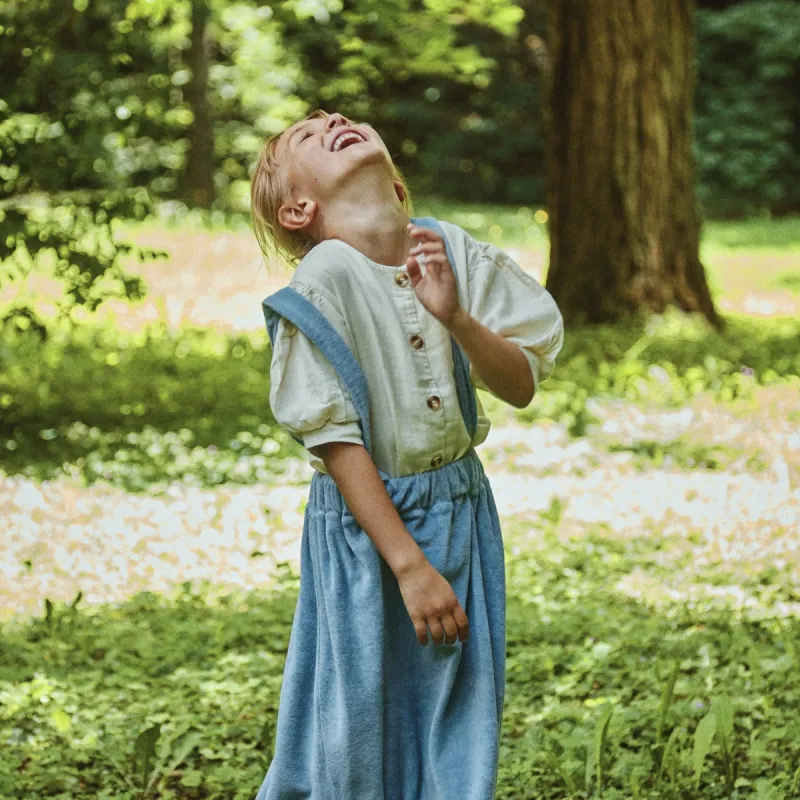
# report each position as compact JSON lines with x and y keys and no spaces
{"x":437,"y":289}
{"x":432,"y":603}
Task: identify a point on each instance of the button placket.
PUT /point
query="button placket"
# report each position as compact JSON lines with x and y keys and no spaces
{"x":408,"y":304}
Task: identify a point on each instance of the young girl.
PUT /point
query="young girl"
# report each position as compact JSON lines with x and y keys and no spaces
{"x":387,"y":323}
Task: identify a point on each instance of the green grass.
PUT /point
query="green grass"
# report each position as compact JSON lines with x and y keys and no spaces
{"x":78,"y":687}
{"x":764,"y":233}
{"x":181,"y":692}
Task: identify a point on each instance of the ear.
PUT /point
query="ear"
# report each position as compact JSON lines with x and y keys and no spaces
{"x":297,"y":215}
{"x":400,"y":190}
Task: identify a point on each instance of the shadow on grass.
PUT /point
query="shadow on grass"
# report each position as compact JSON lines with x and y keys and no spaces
{"x":79,"y":687}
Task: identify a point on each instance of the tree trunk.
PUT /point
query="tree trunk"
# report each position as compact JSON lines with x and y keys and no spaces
{"x":624,"y":225}
{"x":198,"y":177}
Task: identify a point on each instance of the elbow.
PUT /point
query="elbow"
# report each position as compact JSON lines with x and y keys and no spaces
{"x":524,"y":394}
{"x":523,"y":400}
{"x":526,"y":389}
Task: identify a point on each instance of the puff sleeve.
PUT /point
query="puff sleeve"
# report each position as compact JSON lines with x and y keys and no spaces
{"x":306,"y":395}
{"x":515,"y":305}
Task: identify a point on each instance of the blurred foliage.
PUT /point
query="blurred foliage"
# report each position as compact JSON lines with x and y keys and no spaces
{"x":77,"y":403}
{"x":95,"y":118}
{"x":59,"y":195}
{"x":179,"y":694}
{"x":96,"y":93}
{"x":748,"y":107}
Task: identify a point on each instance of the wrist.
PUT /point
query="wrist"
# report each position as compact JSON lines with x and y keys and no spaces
{"x":458,"y":321}
{"x":405,"y":561}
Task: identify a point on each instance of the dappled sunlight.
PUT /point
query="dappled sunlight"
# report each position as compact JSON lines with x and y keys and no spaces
{"x":724,"y":532}
{"x":214,"y":278}
{"x":697,"y":512}
{"x":109,"y":544}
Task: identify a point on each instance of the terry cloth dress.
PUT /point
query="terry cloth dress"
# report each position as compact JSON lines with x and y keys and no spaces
{"x":366,"y":712}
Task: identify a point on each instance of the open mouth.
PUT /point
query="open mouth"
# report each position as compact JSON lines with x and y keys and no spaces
{"x":346,"y":139}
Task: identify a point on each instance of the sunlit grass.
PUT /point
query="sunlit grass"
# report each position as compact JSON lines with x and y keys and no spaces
{"x":650,"y":507}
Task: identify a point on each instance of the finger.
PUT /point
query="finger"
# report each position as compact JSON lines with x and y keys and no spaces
{"x":421,"y":630}
{"x":427,"y":247}
{"x":437,"y":632}
{"x":438,"y":262}
{"x":423,"y":233}
{"x":450,"y":629}
{"x":463,"y":623}
{"x":413,"y":270}
{"x":437,"y":259}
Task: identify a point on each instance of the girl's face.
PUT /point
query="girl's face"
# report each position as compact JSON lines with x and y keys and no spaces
{"x":322,"y":154}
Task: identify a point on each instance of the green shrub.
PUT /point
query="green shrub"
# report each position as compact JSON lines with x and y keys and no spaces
{"x":748,"y":108}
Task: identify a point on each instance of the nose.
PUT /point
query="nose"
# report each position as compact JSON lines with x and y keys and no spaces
{"x":334,"y":120}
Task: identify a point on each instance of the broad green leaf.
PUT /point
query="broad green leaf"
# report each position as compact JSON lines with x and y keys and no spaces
{"x":179,"y":752}
{"x":143,"y":751}
{"x":723,"y":710}
{"x":61,"y":720}
{"x":703,"y":737}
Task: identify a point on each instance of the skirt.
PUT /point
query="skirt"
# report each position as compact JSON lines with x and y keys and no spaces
{"x":366,"y":712}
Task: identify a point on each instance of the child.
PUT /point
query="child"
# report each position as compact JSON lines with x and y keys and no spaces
{"x":376,"y":342}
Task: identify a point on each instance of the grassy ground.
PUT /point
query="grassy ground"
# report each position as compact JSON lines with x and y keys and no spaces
{"x":650,"y":506}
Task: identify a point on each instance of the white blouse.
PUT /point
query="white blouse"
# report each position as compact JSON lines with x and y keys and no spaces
{"x":404,"y":351}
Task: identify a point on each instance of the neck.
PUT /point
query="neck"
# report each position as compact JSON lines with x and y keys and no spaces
{"x":372,"y":219}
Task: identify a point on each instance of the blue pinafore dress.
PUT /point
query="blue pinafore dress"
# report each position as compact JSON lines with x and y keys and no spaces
{"x":367,"y":712}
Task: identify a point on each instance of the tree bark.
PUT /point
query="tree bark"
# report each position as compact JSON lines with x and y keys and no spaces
{"x":623,"y":218}
{"x":198,"y":177}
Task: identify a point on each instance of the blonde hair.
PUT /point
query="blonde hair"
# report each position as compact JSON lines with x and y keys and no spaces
{"x":268,"y":193}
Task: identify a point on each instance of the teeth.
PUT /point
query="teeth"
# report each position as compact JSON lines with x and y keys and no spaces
{"x":343,"y":138}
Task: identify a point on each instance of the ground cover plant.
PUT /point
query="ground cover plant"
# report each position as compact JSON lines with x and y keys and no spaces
{"x":152,"y":509}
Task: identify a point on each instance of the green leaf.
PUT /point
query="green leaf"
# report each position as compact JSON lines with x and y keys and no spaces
{"x":192,"y":778}
{"x":666,"y":701}
{"x":61,"y":720}
{"x":723,"y":710}
{"x":600,"y":734}
{"x":669,"y":756}
{"x":179,"y":752}
{"x":703,"y":737}
{"x":144,"y":750}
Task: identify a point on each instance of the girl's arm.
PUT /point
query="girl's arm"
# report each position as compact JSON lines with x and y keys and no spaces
{"x":501,"y":365}
{"x":428,"y":597}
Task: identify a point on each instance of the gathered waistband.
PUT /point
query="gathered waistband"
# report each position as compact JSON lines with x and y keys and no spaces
{"x":420,"y":490}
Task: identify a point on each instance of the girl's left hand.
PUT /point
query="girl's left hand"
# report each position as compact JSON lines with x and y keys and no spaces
{"x":437,"y":290}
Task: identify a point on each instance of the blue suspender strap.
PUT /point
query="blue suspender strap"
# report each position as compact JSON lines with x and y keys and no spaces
{"x":293,"y":307}
{"x":464,"y":387}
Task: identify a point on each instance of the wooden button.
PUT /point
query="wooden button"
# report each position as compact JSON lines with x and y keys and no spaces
{"x":436,"y":461}
{"x":416,"y":341}
{"x":401,"y":279}
{"x":434,"y":403}
{"x":289,"y":328}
